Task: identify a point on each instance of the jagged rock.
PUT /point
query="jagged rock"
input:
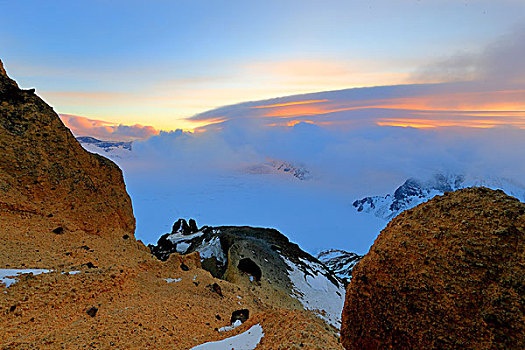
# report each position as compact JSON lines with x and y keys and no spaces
{"x":447,"y":274}
{"x":259,"y":258}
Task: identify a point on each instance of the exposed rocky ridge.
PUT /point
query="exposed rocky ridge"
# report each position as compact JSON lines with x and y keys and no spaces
{"x":340,"y":262}
{"x":259,"y":257}
{"x":65,"y":210}
{"x":446,"y":274}
{"x":415,"y":191}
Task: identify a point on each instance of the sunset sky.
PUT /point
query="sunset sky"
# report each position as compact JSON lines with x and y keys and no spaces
{"x":162,"y":64}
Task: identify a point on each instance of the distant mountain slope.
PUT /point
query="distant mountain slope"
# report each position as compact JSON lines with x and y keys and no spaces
{"x":106,"y":145}
{"x":275,"y":166}
{"x":110,"y":149}
{"x":415,"y":191}
{"x":340,"y":262}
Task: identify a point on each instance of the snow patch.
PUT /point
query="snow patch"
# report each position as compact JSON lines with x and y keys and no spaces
{"x":172,"y":280}
{"x":179,"y":237}
{"x":316,"y":292}
{"x":10,"y":276}
{"x":71,"y":272}
{"x":211,"y":249}
{"x":182,"y":247}
{"x":244,"y":341}
{"x":235,"y":324}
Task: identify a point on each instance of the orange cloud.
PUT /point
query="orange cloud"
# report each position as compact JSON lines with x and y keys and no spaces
{"x":289,"y":104}
{"x":82,"y":126}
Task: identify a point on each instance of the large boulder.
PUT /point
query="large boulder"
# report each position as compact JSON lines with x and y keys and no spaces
{"x":448,"y":274}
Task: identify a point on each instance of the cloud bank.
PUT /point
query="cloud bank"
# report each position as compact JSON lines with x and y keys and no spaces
{"x":82,"y":126}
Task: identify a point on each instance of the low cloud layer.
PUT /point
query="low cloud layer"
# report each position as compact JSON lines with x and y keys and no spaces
{"x":210,"y":175}
{"x":82,"y":126}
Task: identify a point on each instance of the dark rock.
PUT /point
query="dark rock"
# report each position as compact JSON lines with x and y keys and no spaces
{"x":218,"y":317}
{"x":90,"y":265}
{"x":92,"y":311}
{"x":216,"y":288}
{"x":184,"y":267}
{"x":125,"y":237}
{"x":58,"y":230}
{"x":241,"y":315}
{"x":193,"y":226}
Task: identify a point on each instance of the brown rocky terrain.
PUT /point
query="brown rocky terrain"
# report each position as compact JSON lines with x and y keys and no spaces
{"x":448,"y":274}
{"x":67,"y":210}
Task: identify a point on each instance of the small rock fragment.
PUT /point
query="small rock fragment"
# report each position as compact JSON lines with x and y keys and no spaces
{"x":92,"y":311}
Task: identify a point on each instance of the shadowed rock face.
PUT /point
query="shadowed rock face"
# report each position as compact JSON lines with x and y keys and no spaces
{"x":48,"y":181}
{"x":446,"y":274}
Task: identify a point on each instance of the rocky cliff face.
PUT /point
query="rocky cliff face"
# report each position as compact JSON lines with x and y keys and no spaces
{"x":48,"y":181}
{"x":447,"y":274}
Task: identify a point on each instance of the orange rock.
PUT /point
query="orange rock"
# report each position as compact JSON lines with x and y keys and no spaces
{"x":447,"y":274}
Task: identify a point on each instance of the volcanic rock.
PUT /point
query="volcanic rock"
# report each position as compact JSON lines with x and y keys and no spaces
{"x":447,"y":274}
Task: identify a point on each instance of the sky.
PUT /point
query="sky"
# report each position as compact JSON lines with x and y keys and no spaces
{"x":361,"y":94}
{"x":158,"y":64}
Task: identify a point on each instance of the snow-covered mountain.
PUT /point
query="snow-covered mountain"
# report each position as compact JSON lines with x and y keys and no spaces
{"x":111,"y":149}
{"x":262,"y":258}
{"x":274,"y":166}
{"x":340,"y":262}
{"x":415,"y":191}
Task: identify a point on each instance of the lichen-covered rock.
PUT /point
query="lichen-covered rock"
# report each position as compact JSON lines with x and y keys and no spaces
{"x":447,"y":274}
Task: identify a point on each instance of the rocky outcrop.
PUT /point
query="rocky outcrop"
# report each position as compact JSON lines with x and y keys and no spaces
{"x":447,"y":274}
{"x":259,"y":258}
{"x":49,"y":182}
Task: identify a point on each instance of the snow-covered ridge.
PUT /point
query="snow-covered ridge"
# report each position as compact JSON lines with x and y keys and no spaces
{"x":416,"y":191}
{"x":274,"y":166}
{"x":316,"y":292}
{"x":111,"y":149}
{"x":340,"y":262}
